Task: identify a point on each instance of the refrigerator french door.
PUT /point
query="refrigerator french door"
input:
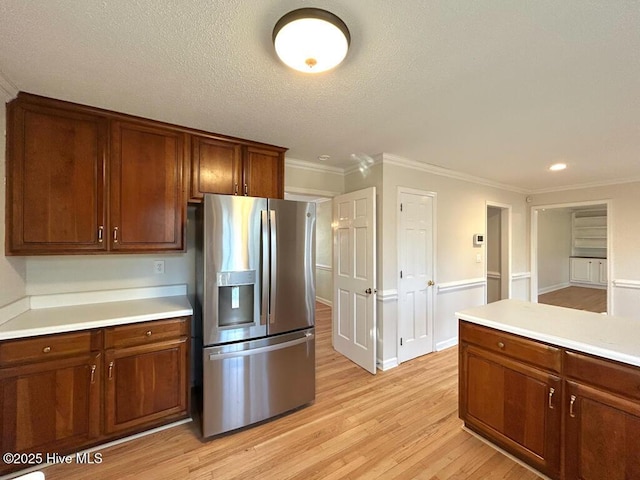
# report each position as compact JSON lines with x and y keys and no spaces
{"x":256,"y":288}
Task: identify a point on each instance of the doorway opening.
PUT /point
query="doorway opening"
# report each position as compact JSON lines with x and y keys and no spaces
{"x":570,"y":255}
{"x":498,"y":252}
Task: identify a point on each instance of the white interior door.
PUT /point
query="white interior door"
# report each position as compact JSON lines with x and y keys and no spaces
{"x":416,"y":282}
{"x":354,"y":277}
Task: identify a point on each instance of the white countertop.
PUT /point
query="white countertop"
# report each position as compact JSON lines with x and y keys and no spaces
{"x":614,"y":338}
{"x":67,"y":318}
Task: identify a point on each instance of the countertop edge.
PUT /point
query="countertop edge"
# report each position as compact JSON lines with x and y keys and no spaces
{"x":558,"y":341}
{"x":79,"y":326}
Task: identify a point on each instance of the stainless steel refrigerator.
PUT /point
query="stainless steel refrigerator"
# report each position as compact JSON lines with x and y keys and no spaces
{"x":256,"y":293}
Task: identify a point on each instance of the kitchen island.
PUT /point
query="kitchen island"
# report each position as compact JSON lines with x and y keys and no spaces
{"x":557,"y":388}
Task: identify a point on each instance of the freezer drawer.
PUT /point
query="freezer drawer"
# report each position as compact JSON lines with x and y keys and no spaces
{"x":247,"y":382}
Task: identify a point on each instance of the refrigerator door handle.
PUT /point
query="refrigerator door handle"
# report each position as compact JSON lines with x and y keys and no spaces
{"x":269,"y":348}
{"x":273,"y":264}
{"x":264,"y":286}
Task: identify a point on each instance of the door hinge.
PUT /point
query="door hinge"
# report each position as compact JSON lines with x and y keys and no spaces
{"x":400,"y":341}
{"x":400,"y":207}
{"x":400,"y":273}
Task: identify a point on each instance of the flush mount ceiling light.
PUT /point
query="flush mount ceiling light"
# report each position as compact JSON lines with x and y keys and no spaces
{"x":311,"y":40}
{"x":557,"y":167}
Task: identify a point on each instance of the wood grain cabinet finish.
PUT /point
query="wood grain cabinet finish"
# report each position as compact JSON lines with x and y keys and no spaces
{"x":147,"y":373}
{"x":602,"y":425}
{"x":590,"y":426}
{"x":232,"y":168}
{"x":61,"y":393}
{"x":62,"y":156}
{"x":55,"y":180}
{"x":148,"y":208}
{"x":512,"y":403}
{"x":51,"y":401}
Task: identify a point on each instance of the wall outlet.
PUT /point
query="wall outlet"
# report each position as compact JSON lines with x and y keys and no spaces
{"x":478,"y":258}
{"x":158,"y":267}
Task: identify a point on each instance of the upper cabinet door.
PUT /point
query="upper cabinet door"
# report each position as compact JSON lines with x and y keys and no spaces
{"x":55,"y":180}
{"x":147,"y":200}
{"x":216,"y":167}
{"x":263,"y":173}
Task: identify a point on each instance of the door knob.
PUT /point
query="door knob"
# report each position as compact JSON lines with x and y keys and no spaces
{"x":430,"y":283}
{"x":368,"y":291}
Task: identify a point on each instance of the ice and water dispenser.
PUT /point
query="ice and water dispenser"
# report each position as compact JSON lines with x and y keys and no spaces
{"x":236,"y":291}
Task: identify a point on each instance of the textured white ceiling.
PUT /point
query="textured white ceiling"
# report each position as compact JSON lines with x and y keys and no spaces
{"x":498,"y":89}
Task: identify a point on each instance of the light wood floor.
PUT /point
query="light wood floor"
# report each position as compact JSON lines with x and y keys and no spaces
{"x":398,"y":424}
{"x":581,"y":298}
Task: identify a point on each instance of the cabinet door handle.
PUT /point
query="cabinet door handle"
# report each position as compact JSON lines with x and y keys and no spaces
{"x":246,"y":190}
{"x":115,"y":234}
{"x":500,"y":344}
{"x":46,"y":349}
{"x":572,"y":413}
{"x":93,"y":374}
{"x":235,"y":189}
{"x":100,"y":233}
{"x":551,"y":392}
{"x":148,"y":333}
{"x":110,"y":370}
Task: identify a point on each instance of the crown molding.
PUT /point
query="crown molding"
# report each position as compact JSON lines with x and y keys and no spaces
{"x":312,"y":167}
{"x":445,"y":172}
{"x":7,"y":86}
{"x":580,"y":186}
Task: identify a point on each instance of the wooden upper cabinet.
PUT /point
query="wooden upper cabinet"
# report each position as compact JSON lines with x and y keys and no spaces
{"x":148,"y":207}
{"x":216,"y":167}
{"x":263,"y":173}
{"x":231,"y":168}
{"x":55,"y":180}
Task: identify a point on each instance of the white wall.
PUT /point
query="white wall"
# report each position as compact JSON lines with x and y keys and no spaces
{"x":312,"y":179}
{"x":624,"y":255}
{"x":460,"y":212}
{"x":554,"y":249}
{"x":12,"y":269}
{"x":77,"y":273}
{"x":324,"y":252}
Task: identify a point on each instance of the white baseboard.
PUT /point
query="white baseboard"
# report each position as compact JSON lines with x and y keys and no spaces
{"x":553,"y":288}
{"x":387,"y":364}
{"x":324,"y":301}
{"x":452,"y":342}
{"x":588,"y":285}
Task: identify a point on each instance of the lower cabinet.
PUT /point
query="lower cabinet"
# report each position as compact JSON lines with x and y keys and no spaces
{"x":50,"y":406}
{"x":588,"y":270}
{"x":512,"y":399}
{"x":602,"y":434}
{"x":145,"y":384}
{"x":61,"y":393}
{"x":515,"y":405}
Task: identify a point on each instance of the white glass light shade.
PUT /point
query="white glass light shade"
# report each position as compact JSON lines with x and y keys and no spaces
{"x":311,"y":40}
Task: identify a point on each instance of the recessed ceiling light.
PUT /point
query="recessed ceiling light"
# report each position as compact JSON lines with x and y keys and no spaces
{"x":557,"y":167}
{"x":324,"y":158}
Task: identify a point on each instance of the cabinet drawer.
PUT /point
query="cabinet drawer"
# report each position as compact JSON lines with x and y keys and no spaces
{"x":48,"y":347}
{"x":615,"y":377}
{"x":147,"y":332}
{"x":529,"y":351}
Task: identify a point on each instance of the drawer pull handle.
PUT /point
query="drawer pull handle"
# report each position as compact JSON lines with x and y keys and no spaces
{"x":551,"y":392}
{"x":46,"y":349}
{"x":110,"y":370}
{"x":500,"y":345}
{"x":572,"y":414}
{"x":93,"y":374}
{"x":148,"y":333}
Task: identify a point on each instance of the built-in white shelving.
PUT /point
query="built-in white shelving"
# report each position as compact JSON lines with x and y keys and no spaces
{"x":589,"y":233}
